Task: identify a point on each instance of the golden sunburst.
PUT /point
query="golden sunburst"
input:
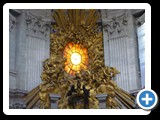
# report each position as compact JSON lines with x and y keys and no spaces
{"x":77,"y":58}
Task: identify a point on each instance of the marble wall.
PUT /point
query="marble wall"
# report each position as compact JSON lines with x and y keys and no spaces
{"x":28,"y":47}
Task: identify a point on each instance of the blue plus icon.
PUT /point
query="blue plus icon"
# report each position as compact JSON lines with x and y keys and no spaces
{"x":147,"y":99}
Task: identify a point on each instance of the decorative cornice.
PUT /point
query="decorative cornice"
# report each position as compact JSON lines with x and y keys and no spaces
{"x":117,"y":26}
{"x":101,"y":97}
{"x":37,"y":27}
{"x":136,"y":11}
{"x":140,"y":20}
{"x":16,"y":99}
{"x":12,"y":22}
{"x":12,"y":72}
{"x":17,"y":93}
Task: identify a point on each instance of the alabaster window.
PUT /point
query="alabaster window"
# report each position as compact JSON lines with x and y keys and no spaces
{"x":77,"y":58}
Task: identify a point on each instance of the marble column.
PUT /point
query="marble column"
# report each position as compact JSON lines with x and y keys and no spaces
{"x":120,"y":47}
{"x":37,"y":49}
{"x":12,"y":48}
{"x":20,"y":51}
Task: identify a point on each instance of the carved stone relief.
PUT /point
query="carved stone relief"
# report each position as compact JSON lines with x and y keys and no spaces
{"x":17,"y":106}
{"x":36,"y":27}
{"x":117,"y":26}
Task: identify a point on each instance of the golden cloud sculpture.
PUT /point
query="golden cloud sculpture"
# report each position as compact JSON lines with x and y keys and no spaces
{"x":75,"y":68}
